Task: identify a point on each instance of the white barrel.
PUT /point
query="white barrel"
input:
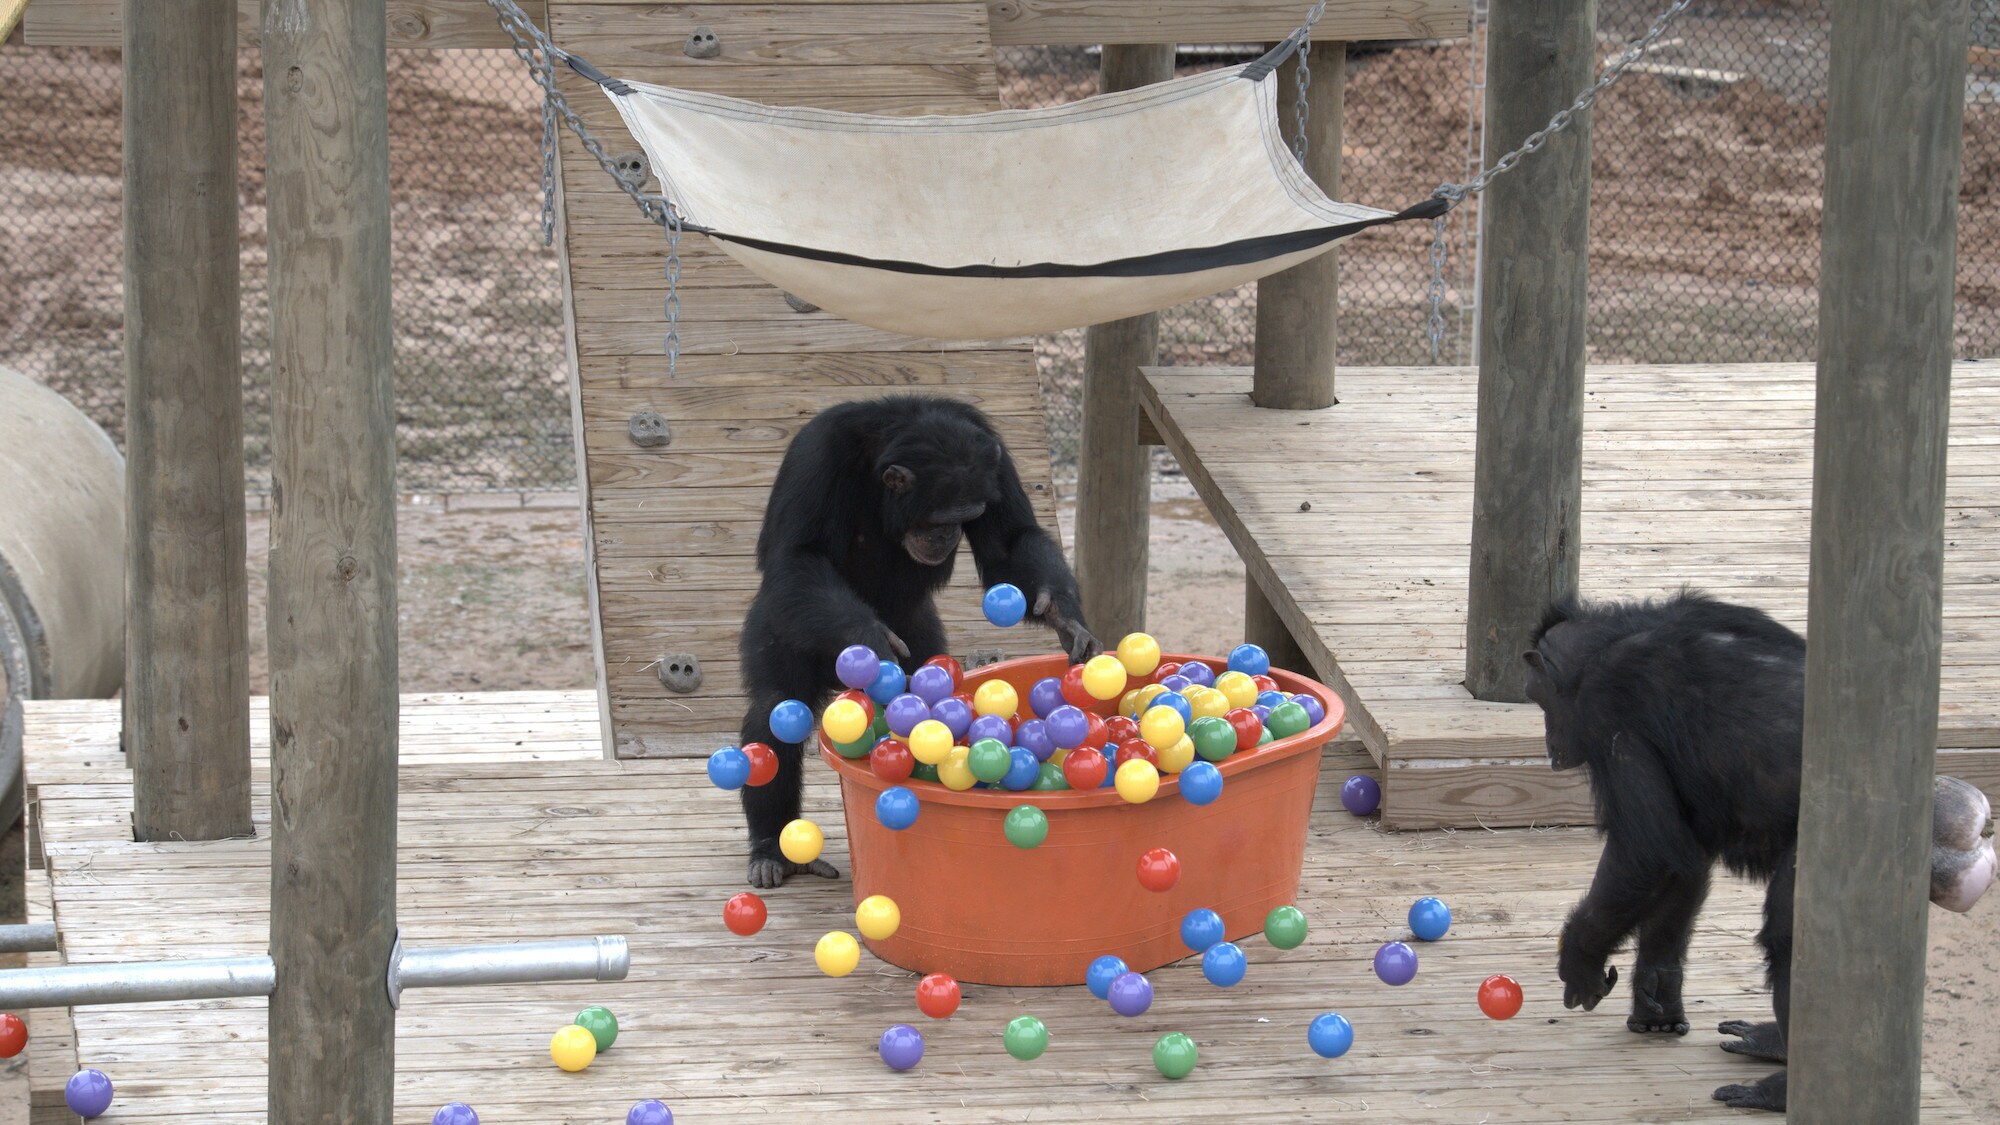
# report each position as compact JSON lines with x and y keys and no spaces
{"x":62,"y":548}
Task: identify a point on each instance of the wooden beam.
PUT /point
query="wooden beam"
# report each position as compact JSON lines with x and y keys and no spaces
{"x":1114,"y":488}
{"x":1528,"y":466}
{"x":1895,"y":109}
{"x":187,"y":657}
{"x":1296,"y":309}
{"x":333,"y":563}
{"x":412,"y":23}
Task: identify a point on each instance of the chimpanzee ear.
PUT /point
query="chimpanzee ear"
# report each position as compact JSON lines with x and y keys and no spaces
{"x":1533,"y":658}
{"x":898,"y":479}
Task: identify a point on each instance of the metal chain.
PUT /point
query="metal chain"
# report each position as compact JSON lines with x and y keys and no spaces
{"x":1457,"y":193}
{"x":1304,"y":76}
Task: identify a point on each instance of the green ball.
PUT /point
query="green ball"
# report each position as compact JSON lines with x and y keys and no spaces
{"x":989,"y":760}
{"x":1285,"y":927}
{"x":859,"y":748}
{"x":1026,"y":1038}
{"x":878,"y":730}
{"x":1265,"y":736}
{"x":1287,"y":719}
{"x":1051,"y":777}
{"x":1214,"y":739}
{"x":1175,"y":1054}
{"x":602,"y":1025}
{"x":1026,"y":827}
{"x":923,"y":772}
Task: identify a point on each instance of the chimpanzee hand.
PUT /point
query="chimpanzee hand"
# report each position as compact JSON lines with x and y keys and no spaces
{"x":1585,"y":979}
{"x":1076,"y":640}
{"x":885,"y":642}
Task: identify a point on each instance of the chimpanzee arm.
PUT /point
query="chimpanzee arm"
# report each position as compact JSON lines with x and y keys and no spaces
{"x":816,"y":611}
{"x":1009,"y":546}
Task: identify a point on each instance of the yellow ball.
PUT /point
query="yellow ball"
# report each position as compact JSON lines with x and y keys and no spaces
{"x":1143,"y":698}
{"x":1177,"y":757}
{"x":996,"y":697}
{"x":955,"y":772}
{"x":1139,"y":654}
{"x":1207,"y":703}
{"x":844,"y":720}
{"x":837,"y":953}
{"x":573,"y":1047}
{"x":877,"y":917}
{"x":1137,"y":781}
{"x":1238,"y":688}
{"x":1161,"y":727}
{"x":801,"y":841}
{"x":930,"y":741}
{"x":1129,"y":702}
{"x":1103,"y":677}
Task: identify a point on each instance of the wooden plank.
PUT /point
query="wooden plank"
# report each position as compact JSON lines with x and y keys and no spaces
{"x":1297,"y":308}
{"x":412,"y":23}
{"x":1181,"y":21}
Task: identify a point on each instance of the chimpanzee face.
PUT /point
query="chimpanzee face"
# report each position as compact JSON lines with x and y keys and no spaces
{"x":933,"y":511}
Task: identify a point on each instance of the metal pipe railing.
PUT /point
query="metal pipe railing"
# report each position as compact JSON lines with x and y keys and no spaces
{"x":452,"y":966}
{"x":35,"y":937}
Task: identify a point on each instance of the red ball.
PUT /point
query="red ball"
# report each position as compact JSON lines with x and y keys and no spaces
{"x":1248,"y":727}
{"x":1159,"y":869}
{"x":1500,"y":997}
{"x":1096,"y":734}
{"x":1162,"y":671}
{"x":1265,"y":683}
{"x":1084,"y":768}
{"x":13,"y":1035}
{"x":1120,"y":728}
{"x":1135,"y":749}
{"x":891,"y":760}
{"x":937,"y":996}
{"x":744,"y":914}
{"x":951,"y":665}
{"x":964,"y":697}
{"x":860,"y":697}
{"x":763,"y":763}
{"x":1074,"y":695}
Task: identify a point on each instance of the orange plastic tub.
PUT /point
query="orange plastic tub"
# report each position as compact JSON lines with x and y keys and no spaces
{"x":987,"y":912}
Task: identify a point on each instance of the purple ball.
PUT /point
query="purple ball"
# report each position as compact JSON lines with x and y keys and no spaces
{"x":1130,"y":994}
{"x":1263,"y":713}
{"x":905,"y":711}
{"x":1361,"y":795}
{"x":857,"y":666}
{"x":1195,"y":672}
{"x":1395,"y":963}
{"x":1068,"y":727}
{"x":454,"y":1113}
{"x":1176,"y":683}
{"x":955,"y":714}
{"x":1045,"y":696}
{"x":931,"y":683}
{"x":1314,"y":711}
{"x":1034,"y":734}
{"x":88,"y":1093}
{"x":990,"y":726}
{"x":902,"y":1047}
{"x":652,"y":1111}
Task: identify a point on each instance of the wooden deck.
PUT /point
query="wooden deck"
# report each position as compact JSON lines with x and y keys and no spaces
{"x":496,"y":846}
{"x":1356,"y":521}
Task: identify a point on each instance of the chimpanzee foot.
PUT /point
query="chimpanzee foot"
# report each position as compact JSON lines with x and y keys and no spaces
{"x":1656,"y":1002}
{"x":1766,"y":1094}
{"x":773,"y":870}
{"x":1757,"y":1040}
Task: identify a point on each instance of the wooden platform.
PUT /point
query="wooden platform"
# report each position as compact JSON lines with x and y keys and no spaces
{"x":732,"y":1029}
{"x":1356,"y":521}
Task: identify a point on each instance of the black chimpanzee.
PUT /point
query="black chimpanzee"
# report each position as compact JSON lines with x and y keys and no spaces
{"x":863,"y":524}
{"x":1689,"y":714}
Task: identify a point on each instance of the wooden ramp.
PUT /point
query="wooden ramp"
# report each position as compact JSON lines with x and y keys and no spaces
{"x":1356,"y":520}
{"x":746,"y":1029}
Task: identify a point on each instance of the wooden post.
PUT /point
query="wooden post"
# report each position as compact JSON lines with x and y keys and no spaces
{"x":1296,"y":309}
{"x":333,"y":563}
{"x":1114,"y":490}
{"x":187,"y":657}
{"x":1527,"y":487}
{"x":1895,"y":106}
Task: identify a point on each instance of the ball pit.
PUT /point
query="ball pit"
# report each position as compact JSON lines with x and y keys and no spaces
{"x":901,"y":1047}
{"x":1330,"y":1035}
{"x":455,"y":1113}
{"x":652,"y":1111}
{"x":1175,"y":1055}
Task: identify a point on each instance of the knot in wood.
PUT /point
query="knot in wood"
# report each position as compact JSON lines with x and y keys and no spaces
{"x":410,"y":25}
{"x":702,"y":43}
{"x":346,"y":568}
{"x":648,"y":429}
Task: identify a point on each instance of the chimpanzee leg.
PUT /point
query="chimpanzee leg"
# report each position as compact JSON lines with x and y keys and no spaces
{"x":1768,"y":1040}
{"x":1663,"y":946}
{"x":771,"y":806}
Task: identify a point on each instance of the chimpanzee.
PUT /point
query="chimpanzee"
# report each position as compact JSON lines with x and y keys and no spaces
{"x":1688,"y":714}
{"x":863,"y":524}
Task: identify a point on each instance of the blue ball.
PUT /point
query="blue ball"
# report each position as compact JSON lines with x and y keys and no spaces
{"x":1045,"y":696}
{"x":1005,"y":604}
{"x":1034,"y":734}
{"x":1330,"y":1035}
{"x":652,"y":1111}
{"x":896,"y":808}
{"x":1249,"y":660}
{"x":1195,"y":672}
{"x":955,"y":714}
{"x":1429,"y":918}
{"x":791,"y":721}
{"x":1223,"y":964}
{"x":729,"y":768}
{"x":1022,"y":768}
{"x":1102,"y":972}
{"x":88,"y":1093}
{"x":1201,"y":783}
{"x":1272,"y":698}
{"x":889,"y":683}
{"x":1201,"y":928}
{"x":454,"y":1113}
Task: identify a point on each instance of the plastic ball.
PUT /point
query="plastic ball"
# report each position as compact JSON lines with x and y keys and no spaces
{"x":1138,"y":782}
{"x":1051,"y":778}
{"x":891,"y":760}
{"x":889,"y":682}
{"x":1500,"y":997}
{"x":1206,"y":702}
{"x":1104,"y":677}
{"x":763,"y":763}
{"x":1395,"y":963}
{"x":1135,"y":752}
{"x":930,"y":742}
{"x":1240,"y":690}
{"x":573,"y":1047}
{"x":922,"y":772}
{"x":988,"y":759}
{"x":602,"y":1025}
{"x":1330,"y":1035}
{"x":949,"y":664}
{"x":856,"y":749}
{"x":1130,"y":994}
{"x":937,"y":996}
{"x":1120,"y":728}
{"x":1214,"y":738}
{"x":1177,"y":757}
{"x":1285,"y":927}
{"x":1201,"y":928}
{"x":955,"y":772}
{"x":801,"y":841}
{"x":729,"y":768}
{"x":1045,"y":696}
{"x":1201,"y":783}
{"x":1430,"y":918}
{"x":1101,"y":973}
{"x":1224,"y":964}
{"x":1176,"y":683}
{"x":1170,"y":701}
{"x":1361,"y":795}
{"x":1139,"y":654}
{"x":837,"y":953}
{"x":903,"y":713}
{"x":901,"y":1047}
{"x":856,"y":666}
{"x":1004,"y":604}
{"x":744,"y":913}
{"x":1026,"y":1038}
{"x":1159,"y":869}
{"x":896,"y":808}
{"x":1073,"y":693}
{"x":1034,"y":735}
{"x":995,"y":697}
{"x":1085,"y":769}
{"x":1287,"y":719}
{"x":791,"y":721}
{"x":652,"y":1111}
{"x":1167,"y":668}
{"x":13,"y":1035}
{"x":1022,"y":769}
{"x":1026,"y":826}
{"x":1161,"y":727}
{"x":455,"y":1113}
{"x":1175,"y":1055}
{"x":1265,"y":683}
{"x":1251,"y":660}
{"x":1140,"y":699}
{"x":1315,"y":711}
{"x":845,"y":721}
{"x":1267,"y":736}
{"x":955,"y":714}
{"x":877,"y":917}
{"x":1195,"y":672}
{"x":1271,"y":698}
{"x":931,"y":683}
{"x":1067,"y":727}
